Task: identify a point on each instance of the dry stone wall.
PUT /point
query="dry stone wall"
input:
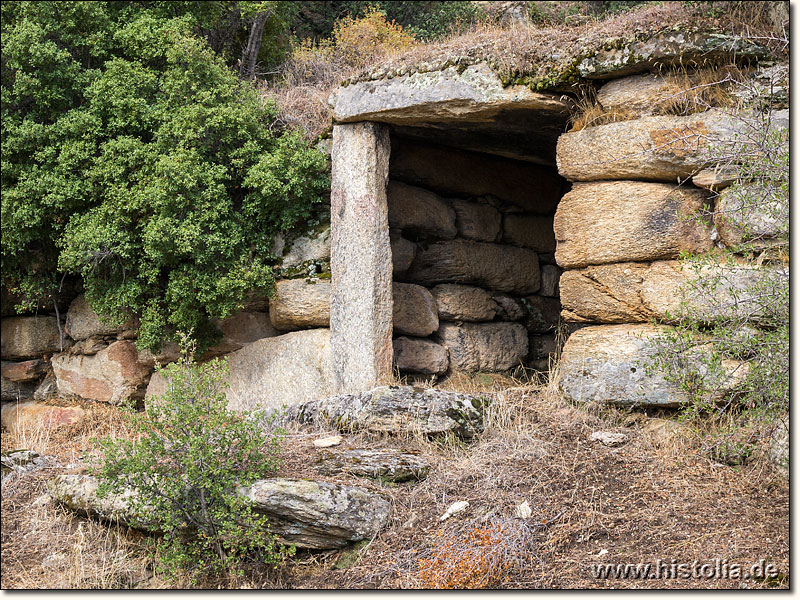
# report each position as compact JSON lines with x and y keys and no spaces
{"x":478,"y":247}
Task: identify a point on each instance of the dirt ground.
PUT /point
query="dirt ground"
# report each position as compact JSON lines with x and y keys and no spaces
{"x":658,"y":497}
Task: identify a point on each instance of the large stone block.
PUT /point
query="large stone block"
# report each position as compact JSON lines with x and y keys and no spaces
{"x":361,"y":257}
{"x":29,"y":337}
{"x":636,"y":94}
{"x":403,"y":252}
{"x":28,"y":370}
{"x":640,"y":292}
{"x":747,"y":214}
{"x":420,"y":212}
{"x":113,"y":375}
{"x":283,"y":370}
{"x":82,"y":322}
{"x":415,"y":355}
{"x":464,"y":303}
{"x":477,"y":221}
{"x":608,"y":364}
{"x":310,"y":246}
{"x":468,"y":175}
{"x":493,"y":266}
{"x":622,"y":221}
{"x":529,"y":231}
{"x":300,"y":304}
{"x":414,"y":310}
{"x":663,"y":148}
{"x":484,"y":346}
{"x":241,"y":329}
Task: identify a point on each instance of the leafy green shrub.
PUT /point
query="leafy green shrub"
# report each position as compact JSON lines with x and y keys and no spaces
{"x":135,"y":158}
{"x":184,"y":464}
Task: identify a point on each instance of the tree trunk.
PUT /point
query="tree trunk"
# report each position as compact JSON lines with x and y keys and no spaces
{"x":247,"y":68}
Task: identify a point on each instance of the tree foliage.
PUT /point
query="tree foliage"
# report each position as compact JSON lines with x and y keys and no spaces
{"x":133,"y":156}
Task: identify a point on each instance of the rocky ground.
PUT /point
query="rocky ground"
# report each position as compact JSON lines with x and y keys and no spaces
{"x":542,"y":494}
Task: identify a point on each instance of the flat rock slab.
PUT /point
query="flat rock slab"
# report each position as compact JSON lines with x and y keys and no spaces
{"x":474,"y":94}
{"x":388,"y":464}
{"x":34,"y":416}
{"x":397,"y":410}
{"x":25,"y":371}
{"x":309,"y":514}
{"x":300,"y":304}
{"x":29,"y":337}
{"x":607,"y":364}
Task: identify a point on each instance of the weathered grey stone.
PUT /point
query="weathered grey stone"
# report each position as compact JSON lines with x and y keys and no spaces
{"x":361,"y":257}
{"x":663,"y":148}
{"x":34,"y":416}
{"x":386,"y":464}
{"x":542,"y":313}
{"x":13,"y":391}
{"x":89,"y":346}
{"x":241,"y":329}
{"x":641,"y":292}
{"x":314,"y":246}
{"x":403,"y":252}
{"x":300,"y":304}
{"x":607,"y":364}
{"x":28,"y":370}
{"x":497,"y":267}
{"x":609,"y":438}
{"x":477,"y":221}
{"x":113,"y":375}
{"x":508,"y":308}
{"x":550,"y":277}
{"x":779,"y":444}
{"x":473,"y":94}
{"x":746,"y":214}
{"x":619,"y":221}
{"x":414,"y":310}
{"x":398,"y":410}
{"x":464,"y":303}
{"x":46,"y":389}
{"x":484,"y":346}
{"x":415,"y":355}
{"x":29,"y":337}
{"x":529,"y":231}
{"x":283,"y":370}
{"x":168,"y":353}
{"x":82,"y":322}
{"x":418,"y":211}
{"x":309,"y":514}
{"x":665,"y":49}
{"x":462,"y":174}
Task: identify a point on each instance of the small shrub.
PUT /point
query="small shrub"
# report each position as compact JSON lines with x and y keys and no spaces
{"x":184,"y":466}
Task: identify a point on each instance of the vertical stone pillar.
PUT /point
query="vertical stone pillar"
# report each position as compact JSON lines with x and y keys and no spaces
{"x":361,"y":258}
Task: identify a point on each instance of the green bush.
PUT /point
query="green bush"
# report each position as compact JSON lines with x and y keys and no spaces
{"x":187,"y":456}
{"x":133,"y":157}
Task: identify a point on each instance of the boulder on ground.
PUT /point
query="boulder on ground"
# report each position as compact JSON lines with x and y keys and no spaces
{"x":477,"y":221}
{"x":416,"y":355}
{"x":484,"y":346}
{"x":82,"y":322}
{"x":414,"y":310}
{"x":464,"y":303}
{"x":420,"y":212}
{"x":403,"y":252}
{"x":300,"y":304}
{"x":779,"y":444}
{"x":621,"y":221}
{"x":397,"y":410}
{"x":283,"y":370}
{"x":113,"y":375}
{"x":29,"y":337}
{"x":609,"y":364}
{"x":493,"y":266}
{"x":32,"y":417}
{"x":529,"y":231}
{"x":665,"y":148}
{"x":309,"y":514}
{"x":241,"y":329}
{"x":386,"y":464}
